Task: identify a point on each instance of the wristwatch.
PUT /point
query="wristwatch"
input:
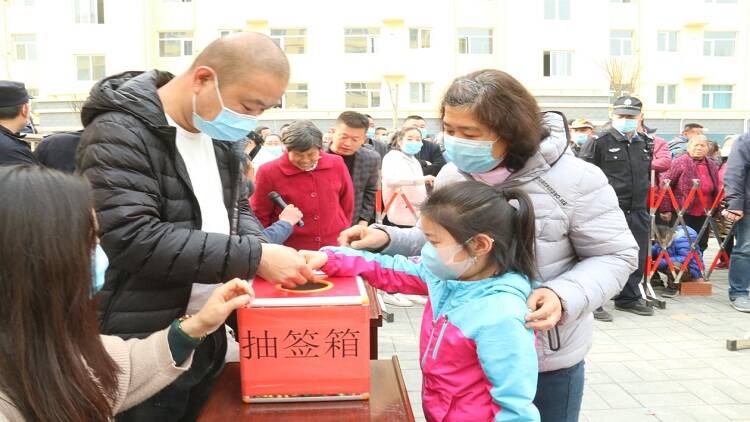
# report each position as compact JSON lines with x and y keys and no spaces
{"x":178,"y":326}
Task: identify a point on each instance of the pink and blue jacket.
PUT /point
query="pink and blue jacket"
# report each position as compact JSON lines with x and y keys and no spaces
{"x":478,"y":360}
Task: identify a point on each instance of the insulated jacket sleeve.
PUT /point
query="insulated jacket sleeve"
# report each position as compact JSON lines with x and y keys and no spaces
{"x":602,"y":240}
{"x":735,"y":177}
{"x":393,"y":274}
{"x":128,"y":200}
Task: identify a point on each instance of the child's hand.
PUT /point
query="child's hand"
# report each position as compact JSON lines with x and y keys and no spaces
{"x":315,"y":259}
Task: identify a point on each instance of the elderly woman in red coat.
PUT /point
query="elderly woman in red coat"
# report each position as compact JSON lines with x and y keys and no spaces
{"x":694,"y":165}
{"x":316,"y":182}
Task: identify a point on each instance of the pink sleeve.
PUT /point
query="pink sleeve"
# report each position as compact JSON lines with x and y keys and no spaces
{"x":662,"y":157}
{"x":393,"y":274}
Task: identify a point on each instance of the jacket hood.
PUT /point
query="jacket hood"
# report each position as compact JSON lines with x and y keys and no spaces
{"x":550,"y":150}
{"x":129,"y":92}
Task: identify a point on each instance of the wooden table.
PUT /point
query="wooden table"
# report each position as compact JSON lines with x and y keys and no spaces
{"x":376,"y":320}
{"x":389,"y":401}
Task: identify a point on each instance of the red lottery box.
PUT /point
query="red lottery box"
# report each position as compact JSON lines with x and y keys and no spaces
{"x":307,"y":344}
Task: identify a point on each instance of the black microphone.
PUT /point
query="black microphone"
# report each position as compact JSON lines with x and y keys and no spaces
{"x":279,"y":201}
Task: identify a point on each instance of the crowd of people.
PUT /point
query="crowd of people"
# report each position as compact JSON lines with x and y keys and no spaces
{"x":514,"y":226}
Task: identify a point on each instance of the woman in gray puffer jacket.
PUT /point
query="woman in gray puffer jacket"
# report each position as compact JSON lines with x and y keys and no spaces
{"x":584,"y":250}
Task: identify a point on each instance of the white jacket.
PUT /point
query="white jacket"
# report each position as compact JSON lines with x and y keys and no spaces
{"x":584,"y":249}
{"x":402,"y":173}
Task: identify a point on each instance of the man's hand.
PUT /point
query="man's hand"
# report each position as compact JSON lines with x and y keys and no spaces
{"x":291,"y":214}
{"x":733,"y":215}
{"x":283,"y":265}
{"x":315,"y":259}
{"x":363,"y":237}
{"x":223,"y":300}
{"x":429,"y":180}
{"x":665,"y":216}
{"x":546,"y":309}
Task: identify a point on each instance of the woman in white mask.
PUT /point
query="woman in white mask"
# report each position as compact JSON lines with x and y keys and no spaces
{"x":272,"y":149}
{"x":402,"y":175}
{"x":495,"y":133}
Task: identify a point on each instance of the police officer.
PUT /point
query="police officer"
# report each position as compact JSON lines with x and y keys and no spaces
{"x":625,"y":158}
{"x":14,"y":116}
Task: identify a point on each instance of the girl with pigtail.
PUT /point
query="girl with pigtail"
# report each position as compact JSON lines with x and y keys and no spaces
{"x":478,"y":359}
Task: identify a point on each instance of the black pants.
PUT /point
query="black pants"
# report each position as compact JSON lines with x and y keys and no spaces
{"x":183,"y":399}
{"x":696,"y":223}
{"x":639,"y":223}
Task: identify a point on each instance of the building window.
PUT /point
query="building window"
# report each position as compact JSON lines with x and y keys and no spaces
{"x":620,"y":43}
{"x":89,"y":11}
{"x":419,"y":38}
{"x":557,"y":10}
{"x":557,"y":63}
{"x":361,"y":40}
{"x":719,"y":43}
{"x":175,"y":44}
{"x":419,"y":92}
{"x":666,"y":94}
{"x":717,"y":96}
{"x":89,"y":67}
{"x":666,"y":41}
{"x":362,"y":94}
{"x":295,"y":97}
{"x":225,"y":32}
{"x":291,"y":41}
{"x":474,"y":41}
{"x":25,"y":46}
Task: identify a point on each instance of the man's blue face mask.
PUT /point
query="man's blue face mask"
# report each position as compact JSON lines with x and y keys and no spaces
{"x":228,"y":125}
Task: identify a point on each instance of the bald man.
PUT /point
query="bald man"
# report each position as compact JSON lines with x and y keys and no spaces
{"x":161,"y":154}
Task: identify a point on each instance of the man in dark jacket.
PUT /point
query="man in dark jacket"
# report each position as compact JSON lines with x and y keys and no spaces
{"x":348,"y":139}
{"x":737,"y":185}
{"x":15,"y":113}
{"x":430,"y":156}
{"x":373,"y":140}
{"x":161,"y":155}
{"x":625,"y":158}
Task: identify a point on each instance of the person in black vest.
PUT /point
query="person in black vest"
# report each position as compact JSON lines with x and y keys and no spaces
{"x":15,"y":113}
{"x":430,"y":156}
{"x":625,"y":158}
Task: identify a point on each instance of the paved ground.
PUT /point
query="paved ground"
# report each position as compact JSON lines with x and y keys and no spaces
{"x":673,"y":366}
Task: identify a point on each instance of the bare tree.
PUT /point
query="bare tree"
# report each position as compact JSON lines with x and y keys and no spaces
{"x":393,"y":86}
{"x":624,"y":76}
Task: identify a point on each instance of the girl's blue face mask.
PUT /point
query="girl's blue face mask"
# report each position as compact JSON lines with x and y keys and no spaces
{"x":99,"y":265}
{"x":441,"y":261}
{"x":228,"y":125}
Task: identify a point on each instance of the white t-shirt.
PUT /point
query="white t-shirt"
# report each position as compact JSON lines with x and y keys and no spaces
{"x":402,"y":173}
{"x":197,"y":151}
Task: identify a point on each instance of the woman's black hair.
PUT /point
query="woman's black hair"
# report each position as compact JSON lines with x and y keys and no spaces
{"x":469,"y":208}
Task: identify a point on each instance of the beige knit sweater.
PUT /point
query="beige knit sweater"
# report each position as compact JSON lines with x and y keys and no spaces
{"x":146,"y":367}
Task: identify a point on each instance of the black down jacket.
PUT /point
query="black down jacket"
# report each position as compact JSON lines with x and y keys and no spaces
{"x":149,"y":218}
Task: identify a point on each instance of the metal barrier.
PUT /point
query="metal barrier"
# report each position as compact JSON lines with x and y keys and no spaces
{"x":657,"y":195}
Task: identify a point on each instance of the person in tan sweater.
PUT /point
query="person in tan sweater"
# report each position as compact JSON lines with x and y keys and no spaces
{"x":54,"y":365}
